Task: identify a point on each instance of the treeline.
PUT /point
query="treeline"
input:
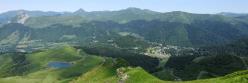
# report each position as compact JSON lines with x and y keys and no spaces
{"x":237,"y":48}
{"x":134,"y":59}
{"x":212,"y":61}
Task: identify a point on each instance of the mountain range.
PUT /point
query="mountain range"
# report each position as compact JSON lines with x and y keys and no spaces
{"x":173,"y":28}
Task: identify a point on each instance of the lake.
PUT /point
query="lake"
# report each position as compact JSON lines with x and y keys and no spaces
{"x":59,"y":64}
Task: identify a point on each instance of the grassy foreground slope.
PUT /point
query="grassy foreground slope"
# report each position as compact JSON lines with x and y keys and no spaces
{"x":109,"y":73}
{"x":237,"y":77}
{"x":84,"y":68}
{"x":105,"y":74}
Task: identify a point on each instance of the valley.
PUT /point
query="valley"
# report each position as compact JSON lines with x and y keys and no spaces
{"x":126,"y":46}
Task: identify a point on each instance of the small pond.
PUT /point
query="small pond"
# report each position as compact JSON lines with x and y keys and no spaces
{"x":59,"y":64}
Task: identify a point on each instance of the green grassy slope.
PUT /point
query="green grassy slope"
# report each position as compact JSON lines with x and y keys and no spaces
{"x":108,"y":73}
{"x":103,"y":74}
{"x":56,"y":75}
{"x":65,"y":53}
{"x":39,"y":72}
{"x":237,"y":77}
{"x":138,"y":75}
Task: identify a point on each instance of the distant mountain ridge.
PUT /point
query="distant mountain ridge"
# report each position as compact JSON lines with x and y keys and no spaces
{"x":171,"y":28}
{"x":233,"y":14}
{"x":121,"y":16}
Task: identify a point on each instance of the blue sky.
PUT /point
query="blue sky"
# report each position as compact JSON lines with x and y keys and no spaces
{"x":193,"y":6}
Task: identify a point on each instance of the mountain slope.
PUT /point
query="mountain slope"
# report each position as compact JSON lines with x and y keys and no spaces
{"x":196,"y":34}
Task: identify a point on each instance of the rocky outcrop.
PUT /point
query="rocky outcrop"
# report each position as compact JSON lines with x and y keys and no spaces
{"x":122,"y":75}
{"x":21,"y":17}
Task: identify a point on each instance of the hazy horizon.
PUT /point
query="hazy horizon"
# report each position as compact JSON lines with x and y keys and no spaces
{"x":192,"y":6}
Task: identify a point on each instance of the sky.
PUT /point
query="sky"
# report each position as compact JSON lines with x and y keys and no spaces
{"x":193,"y":6}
